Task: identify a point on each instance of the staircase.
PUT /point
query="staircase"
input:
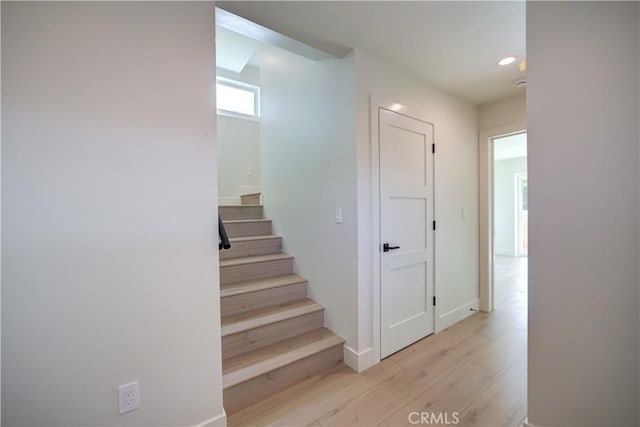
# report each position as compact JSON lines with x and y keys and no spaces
{"x":272,"y":334}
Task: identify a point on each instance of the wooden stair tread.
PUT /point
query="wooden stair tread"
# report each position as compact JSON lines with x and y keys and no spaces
{"x":259,"y":284}
{"x":265,"y":316}
{"x":244,"y":221}
{"x":258,"y":362}
{"x":255,"y":356}
{"x":253,"y":259}
{"x":252,"y":199}
{"x":241,"y":211}
{"x":250,"y":238}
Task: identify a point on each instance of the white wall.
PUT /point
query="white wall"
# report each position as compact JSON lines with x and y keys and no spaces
{"x":249,"y":75}
{"x":309,"y":168}
{"x":503,"y":112}
{"x":504,"y":204}
{"x":110,"y":267}
{"x":456,"y":182}
{"x":583,"y":109}
{"x":239,"y":168}
{"x":0,"y":232}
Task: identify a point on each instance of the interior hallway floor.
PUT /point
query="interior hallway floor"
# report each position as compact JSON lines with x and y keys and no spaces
{"x":473,"y":372}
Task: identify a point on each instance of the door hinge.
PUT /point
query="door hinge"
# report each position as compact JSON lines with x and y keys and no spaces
{"x":434,"y":226}
{"x":433,"y":148}
{"x":434,"y":301}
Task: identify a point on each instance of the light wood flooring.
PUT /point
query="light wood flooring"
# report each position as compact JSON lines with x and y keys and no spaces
{"x":474,"y":372}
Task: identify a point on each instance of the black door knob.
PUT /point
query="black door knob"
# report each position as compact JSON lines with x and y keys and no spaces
{"x":387,"y":248}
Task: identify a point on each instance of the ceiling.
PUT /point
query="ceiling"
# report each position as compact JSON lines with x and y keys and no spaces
{"x":234,"y":51}
{"x":510,"y":147}
{"x":451,"y":45}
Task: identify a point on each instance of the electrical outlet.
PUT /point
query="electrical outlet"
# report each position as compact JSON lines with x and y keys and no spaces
{"x":128,"y":397}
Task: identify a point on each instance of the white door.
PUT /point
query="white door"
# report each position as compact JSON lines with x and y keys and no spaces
{"x":406,"y":231}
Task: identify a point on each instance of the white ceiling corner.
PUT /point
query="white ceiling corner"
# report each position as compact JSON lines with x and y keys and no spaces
{"x":233,"y":50}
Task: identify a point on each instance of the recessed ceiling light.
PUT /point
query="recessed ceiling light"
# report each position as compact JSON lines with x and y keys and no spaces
{"x":507,"y":60}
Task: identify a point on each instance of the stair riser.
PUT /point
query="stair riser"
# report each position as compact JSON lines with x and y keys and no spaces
{"x":250,"y":199}
{"x":256,"y":270}
{"x":254,"y":300}
{"x":249,"y":392}
{"x":252,"y":247}
{"x":242,"y":342}
{"x":240,"y":212}
{"x":248,"y":229}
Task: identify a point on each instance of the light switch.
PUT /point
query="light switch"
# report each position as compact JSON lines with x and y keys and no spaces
{"x":338,"y":215}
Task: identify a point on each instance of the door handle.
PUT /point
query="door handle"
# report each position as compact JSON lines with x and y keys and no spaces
{"x":387,"y":248}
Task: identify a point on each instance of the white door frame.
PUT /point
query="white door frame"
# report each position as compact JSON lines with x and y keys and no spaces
{"x":485,"y":171}
{"x":375,"y":103}
{"x":519,"y":196}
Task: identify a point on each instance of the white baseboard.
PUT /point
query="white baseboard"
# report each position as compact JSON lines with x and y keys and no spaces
{"x":358,"y":361}
{"x":505,"y":252}
{"x":217,"y":421}
{"x":231,"y":200}
{"x":527,"y":423}
{"x":457,"y":314}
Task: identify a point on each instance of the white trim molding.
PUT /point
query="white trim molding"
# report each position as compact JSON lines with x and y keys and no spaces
{"x":457,"y":314}
{"x":359,"y":361}
{"x":505,"y":252}
{"x":217,"y":421}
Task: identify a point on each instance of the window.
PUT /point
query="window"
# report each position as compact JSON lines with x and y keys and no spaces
{"x":237,"y":99}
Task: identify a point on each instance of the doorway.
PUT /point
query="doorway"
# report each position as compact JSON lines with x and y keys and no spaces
{"x":486,"y":207}
{"x":522,"y":215}
{"x":510,"y":218}
{"x":509,"y":194}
